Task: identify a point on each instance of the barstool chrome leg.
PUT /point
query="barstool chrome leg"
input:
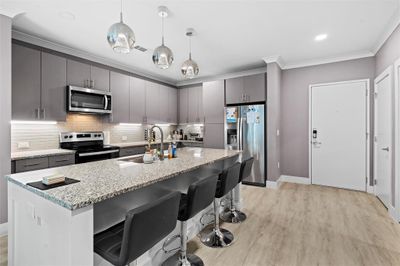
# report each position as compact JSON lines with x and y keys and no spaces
{"x":182,"y":258}
{"x":216,"y":237}
{"x":232,"y":215}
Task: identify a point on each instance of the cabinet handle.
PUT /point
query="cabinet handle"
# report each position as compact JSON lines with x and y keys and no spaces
{"x":33,"y":164}
{"x":44,"y":113}
{"x":37,"y":113}
{"x":60,"y":161}
{"x":92,"y":84}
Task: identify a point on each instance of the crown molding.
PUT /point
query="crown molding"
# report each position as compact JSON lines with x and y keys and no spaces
{"x":222,"y":76}
{"x":10,"y":12}
{"x":275,"y":59}
{"x":389,"y":29}
{"x":24,"y":37}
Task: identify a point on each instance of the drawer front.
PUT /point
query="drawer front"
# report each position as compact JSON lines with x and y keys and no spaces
{"x":61,"y":160}
{"x":31,"y":164}
{"x":131,"y":151}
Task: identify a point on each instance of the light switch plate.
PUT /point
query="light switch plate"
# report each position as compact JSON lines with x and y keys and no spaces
{"x":23,"y":145}
{"x":124,"y":138}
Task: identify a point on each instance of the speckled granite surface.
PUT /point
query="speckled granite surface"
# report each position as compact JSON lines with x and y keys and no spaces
{"x":106,"y":179}
{"x":39,"y":153}
{"x":144,"y":143}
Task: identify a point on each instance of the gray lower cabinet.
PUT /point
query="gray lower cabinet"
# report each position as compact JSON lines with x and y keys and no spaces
{"x":213,"y":102}
{"x":78,"y":73}
{"x":137,"y":100}
{"x":54,"y":81}
{"x":152,"y":102}
{"x":61,"y":160}
{"x":25,"y":83}
{"x":128,"y":151}
{"x":100,"y":78}
{"x":183,"y":97}
{"x":119,"y":85}
{"x":31,"y":164}
{"x":245,"y":89}
{"x":214,"y":136}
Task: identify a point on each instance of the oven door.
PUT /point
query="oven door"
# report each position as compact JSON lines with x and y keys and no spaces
{"x":88,"y":101}
{"x":85,"y":157}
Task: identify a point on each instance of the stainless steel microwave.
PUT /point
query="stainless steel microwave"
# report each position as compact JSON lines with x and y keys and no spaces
{"x":84,"y":100}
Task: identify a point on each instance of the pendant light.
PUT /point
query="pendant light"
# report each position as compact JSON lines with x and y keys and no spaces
{"x":120,"y":37}
{"x":163,"y":56}
{"x":189,"y":68}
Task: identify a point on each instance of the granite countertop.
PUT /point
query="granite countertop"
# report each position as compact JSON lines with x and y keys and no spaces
{"x":102,"y":180}
{"x":38,"y":153}
{"x":144,"y":143}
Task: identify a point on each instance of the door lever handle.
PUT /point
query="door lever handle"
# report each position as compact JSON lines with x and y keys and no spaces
{"x":385,"y":149}
{"x":316,"y":142}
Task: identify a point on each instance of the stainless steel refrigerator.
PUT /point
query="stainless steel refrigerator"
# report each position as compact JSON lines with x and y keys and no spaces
{"x":245,"y":130}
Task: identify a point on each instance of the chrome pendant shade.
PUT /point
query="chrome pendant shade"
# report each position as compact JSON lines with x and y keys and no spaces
{"x":121,"y":37}
{"x":190,"y":68}
{"x":163,"y":56}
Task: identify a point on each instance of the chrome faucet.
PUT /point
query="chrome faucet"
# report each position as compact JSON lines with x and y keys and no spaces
{"x":162,"y":141}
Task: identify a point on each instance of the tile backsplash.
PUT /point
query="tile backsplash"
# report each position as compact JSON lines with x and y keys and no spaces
{"x":44,"y":136}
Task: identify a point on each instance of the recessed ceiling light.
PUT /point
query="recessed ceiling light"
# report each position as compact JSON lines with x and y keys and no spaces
{"x":321,"y":37}
{"x":66,"y":15}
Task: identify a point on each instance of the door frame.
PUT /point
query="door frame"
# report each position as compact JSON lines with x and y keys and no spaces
{"x":396,"y":89}
{"x":387,"y":72}
{"x":368,"y":187}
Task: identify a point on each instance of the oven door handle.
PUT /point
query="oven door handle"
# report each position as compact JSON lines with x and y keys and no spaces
{"x":106,"y":102}
{"x":96,"y":153}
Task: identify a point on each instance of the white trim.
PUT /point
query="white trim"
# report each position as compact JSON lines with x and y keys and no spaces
{"x":3,"y":229}
{"x":368,"y":119}
{"x":272,"y":184}
{"x":387,"y":72}
{"x":371,"y":189}
{"x":389,"y":29}
{"x":295,"y":179}
{"x":24,"y":37}
{"x":397,"y":136}
{"x":275,"y":59}
{"x":222,"y":76}
{"x":393,"y":213}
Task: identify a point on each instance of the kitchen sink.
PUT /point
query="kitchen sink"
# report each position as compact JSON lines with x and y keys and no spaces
{"x":136,"y":159}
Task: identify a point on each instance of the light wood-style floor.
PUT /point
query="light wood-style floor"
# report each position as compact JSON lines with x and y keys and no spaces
{"x":304,"y":225}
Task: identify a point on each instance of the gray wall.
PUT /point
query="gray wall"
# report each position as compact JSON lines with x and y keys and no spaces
{"x":389,"y":52}
{"x":274,"y":80}
{"x":295,"y":108}
{"x":5,"y":111}
{"x":385,"y":57}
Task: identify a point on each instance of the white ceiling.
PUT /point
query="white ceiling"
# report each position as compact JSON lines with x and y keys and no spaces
{"x":231,"y":35}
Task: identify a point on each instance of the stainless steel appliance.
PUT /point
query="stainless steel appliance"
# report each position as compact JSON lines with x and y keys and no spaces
{"x":86,"y":100}
{"x":245,"y":130}
{"x":89,"y":146}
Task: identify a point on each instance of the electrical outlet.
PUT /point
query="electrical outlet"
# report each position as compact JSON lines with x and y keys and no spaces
{"x":23,"y":145}
{"x":124,"y":138}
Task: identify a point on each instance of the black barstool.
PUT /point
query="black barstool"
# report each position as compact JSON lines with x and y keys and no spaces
{"x":232,"y":215}
{"x":194,"y":199}
{"x":215,"y":236}
{"x":143,"y":227}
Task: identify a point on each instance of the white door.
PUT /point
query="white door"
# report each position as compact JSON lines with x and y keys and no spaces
{"x":338,"y":134}
{"x":383,"y":136}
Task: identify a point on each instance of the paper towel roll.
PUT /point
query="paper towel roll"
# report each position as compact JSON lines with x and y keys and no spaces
{"x":106,"y":137}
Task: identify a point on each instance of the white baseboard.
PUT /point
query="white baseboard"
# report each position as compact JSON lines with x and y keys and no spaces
{"x":295,"y":179}
{"x":272,"y":184}
{"x":370,"y":189}
{"x":3,"y":229}
{"x":393,"y":213}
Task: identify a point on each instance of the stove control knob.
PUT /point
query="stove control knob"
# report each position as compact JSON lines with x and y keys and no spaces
{"x":65,"y":137}
{"x":70,"y":137}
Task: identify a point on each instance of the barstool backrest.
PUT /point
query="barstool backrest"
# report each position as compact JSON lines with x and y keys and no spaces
{"x":228,"y":180}
{"x":200,"y":194}
{"x":147,"y":225}
{"x":245,"y":168}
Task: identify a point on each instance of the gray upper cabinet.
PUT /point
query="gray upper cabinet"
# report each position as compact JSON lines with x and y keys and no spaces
{"x":25,"y":83}
{"x":137,"y":103}
{"x":78,"y":74}
{"x":163,"y":105}
{"x":173,"y":105}
{"x":195,"y":112}
{"x":213,"y":101}
{"x":214,"y":136}
{"x":100,"y":78}
{"x":54,"y":81}
{"x":152,"y":102}
{"x":119,"y":85}
{"x":245,"y":89}
{"x":183,"y":105}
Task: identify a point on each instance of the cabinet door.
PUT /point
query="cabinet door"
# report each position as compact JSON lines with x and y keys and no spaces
{"x":254,"y":88}
{"x":78,"y":74}
{"x":234,"y":90}
{"x":100,"y":78}
{"x":152,"y":102}
{"x":163,"y":106}
{"x":213,"y":100}
{"x":200,"y":105}
{"x":214,"y":136}
{"x":183,"y":105}
{"x":25,"y":83}
{"x":54,"y":82}
{"x":119,"y":85}
{"x":173,"y":106}
{"x":137,"y":101}
{"x":193,"y":105}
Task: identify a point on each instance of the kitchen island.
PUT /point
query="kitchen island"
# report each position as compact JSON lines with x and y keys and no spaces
{"x":56,"y":226}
